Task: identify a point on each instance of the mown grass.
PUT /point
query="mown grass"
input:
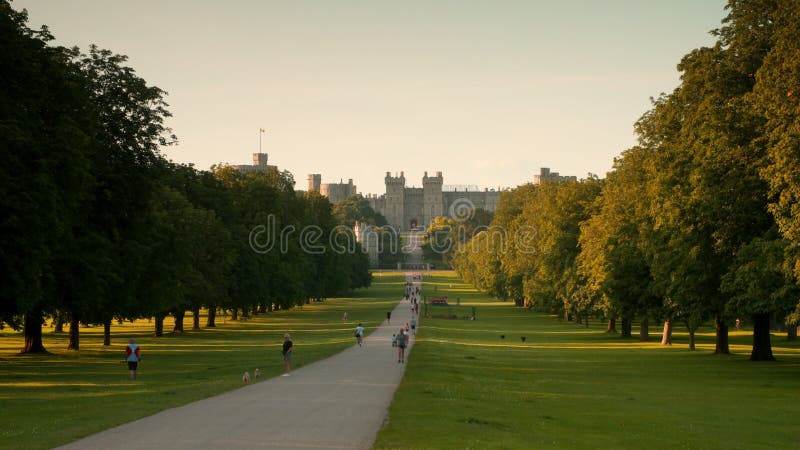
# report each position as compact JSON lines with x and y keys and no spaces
{"x":53,"y":399}
{"x":567,"y":386}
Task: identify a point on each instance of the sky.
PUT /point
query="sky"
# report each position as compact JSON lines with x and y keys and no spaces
{"x":485,"y":91}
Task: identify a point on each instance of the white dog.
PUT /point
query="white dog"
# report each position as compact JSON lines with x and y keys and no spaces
{"x":257,"y":373}
{"x":246,"y":377}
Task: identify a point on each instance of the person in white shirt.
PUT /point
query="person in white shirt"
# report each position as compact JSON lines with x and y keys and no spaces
{"x":359,"y":334}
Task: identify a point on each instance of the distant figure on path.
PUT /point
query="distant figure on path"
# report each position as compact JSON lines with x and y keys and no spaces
{"x":287,"y":354}
{"x":401,"y":346}
{"x":359,"y":334}
{"x":388,"y":317}
{"x":414,"y":326}
{"x":133,"y":356}
{"x":344,"y":317}
{"x":394,"y":340}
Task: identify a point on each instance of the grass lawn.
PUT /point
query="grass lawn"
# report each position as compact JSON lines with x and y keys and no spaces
{"x":54,"y":399}
{"x":567,"y":386}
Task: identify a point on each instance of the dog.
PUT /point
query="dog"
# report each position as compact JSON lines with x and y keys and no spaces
{"x":246,"y":377}
{"x":257,"y":373}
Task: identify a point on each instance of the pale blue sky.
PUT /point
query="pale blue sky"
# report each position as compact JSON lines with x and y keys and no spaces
{"x":486,"y":91}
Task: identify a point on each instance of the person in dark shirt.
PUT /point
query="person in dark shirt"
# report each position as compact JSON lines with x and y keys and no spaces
{"x":287,"y":353}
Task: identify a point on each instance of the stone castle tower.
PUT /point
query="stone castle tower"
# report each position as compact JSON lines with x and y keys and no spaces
{"x":394,"y":200}
{"x":433,"y":204}
{"x":314,"y":182}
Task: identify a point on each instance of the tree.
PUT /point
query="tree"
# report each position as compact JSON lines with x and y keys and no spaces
{"x":614,"y":240}
{"x":761,"y":286}
{"x":776,"y":97}
{"x":46,"y":123}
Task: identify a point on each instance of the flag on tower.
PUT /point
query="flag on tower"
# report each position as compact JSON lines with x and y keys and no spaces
{"x":262,"y":130}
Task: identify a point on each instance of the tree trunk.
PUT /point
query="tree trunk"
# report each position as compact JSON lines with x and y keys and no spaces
{"x":722,"y":347}
{"x":566,"y":316}
{"x":58,"y":323}
{"x":612,"y":326}
{"x":626,"y":327}
{"x":235,"y":314}
{"x":791,"y":333}
{"x":33,"y":333}
{"x":107,"y":333}
{"x":762,"y":347}
{"x":578,"y":319}
{"x":691,"y":337}
{"x":644,"y":329}
{"x":666,"y":335}
{"x":211,"y":321}
{"x":159,"y":324}
{"x":74,"y":332}
{"x":178,"y":314}
{"x":586,"y":321}
{"x":196,"y":319}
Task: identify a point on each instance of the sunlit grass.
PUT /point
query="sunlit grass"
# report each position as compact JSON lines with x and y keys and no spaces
{"x":53,"y":399}
{"x":476,"y":384}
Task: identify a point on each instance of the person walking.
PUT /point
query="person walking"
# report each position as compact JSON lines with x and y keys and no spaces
{"x":287,"y":354}
{"x":133,"y":355}
{"x":359,"y":334}
{"x":401,"y":346}
{"x":388,"y":317}
{"x":414,"y":326}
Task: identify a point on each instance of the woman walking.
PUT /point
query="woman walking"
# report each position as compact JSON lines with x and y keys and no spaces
{"x":401,"y":346}
{"x":287,"y":354}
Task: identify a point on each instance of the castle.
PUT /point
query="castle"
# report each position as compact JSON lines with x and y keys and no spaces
{"x":407,"y":208}
{"x":336,"y":192}
{"x":259,"y":164}
{"x":545,"y":176}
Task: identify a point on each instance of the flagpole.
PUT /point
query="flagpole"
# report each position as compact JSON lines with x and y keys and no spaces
{"x":259,"y":140}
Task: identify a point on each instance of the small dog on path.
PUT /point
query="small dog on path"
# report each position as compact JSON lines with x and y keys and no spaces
{"x":257,"y":373}
{"x":246,"y":377}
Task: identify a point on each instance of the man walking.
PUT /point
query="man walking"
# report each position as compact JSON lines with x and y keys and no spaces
{"x":359,"y":334}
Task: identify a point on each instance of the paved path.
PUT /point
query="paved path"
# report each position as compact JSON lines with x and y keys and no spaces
{"x":337,"y":403}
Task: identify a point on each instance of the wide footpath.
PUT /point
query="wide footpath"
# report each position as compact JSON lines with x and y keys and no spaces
{"x":338,"y":403}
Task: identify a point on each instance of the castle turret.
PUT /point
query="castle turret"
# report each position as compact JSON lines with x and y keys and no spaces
{"x":314,"y":182}
{"x":395,"y":200}
{"x":433,"y":202}
{"x":260,"y":159}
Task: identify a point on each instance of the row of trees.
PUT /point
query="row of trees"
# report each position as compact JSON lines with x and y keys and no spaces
{"x":699,"y":222}
{"x":96,"y":225}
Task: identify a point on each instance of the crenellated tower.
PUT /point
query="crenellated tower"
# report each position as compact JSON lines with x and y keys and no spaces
{"x":314,"y":182}
{"x":433,"y":202}
{"x":394,"y":202}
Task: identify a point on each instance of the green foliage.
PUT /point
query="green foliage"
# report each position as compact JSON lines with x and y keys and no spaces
{"x":691,"y":205}
{"x":357,"y":209}
{"x":98,"y":225}
{"x":445,"y":236}
{"x":758,"y":282}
